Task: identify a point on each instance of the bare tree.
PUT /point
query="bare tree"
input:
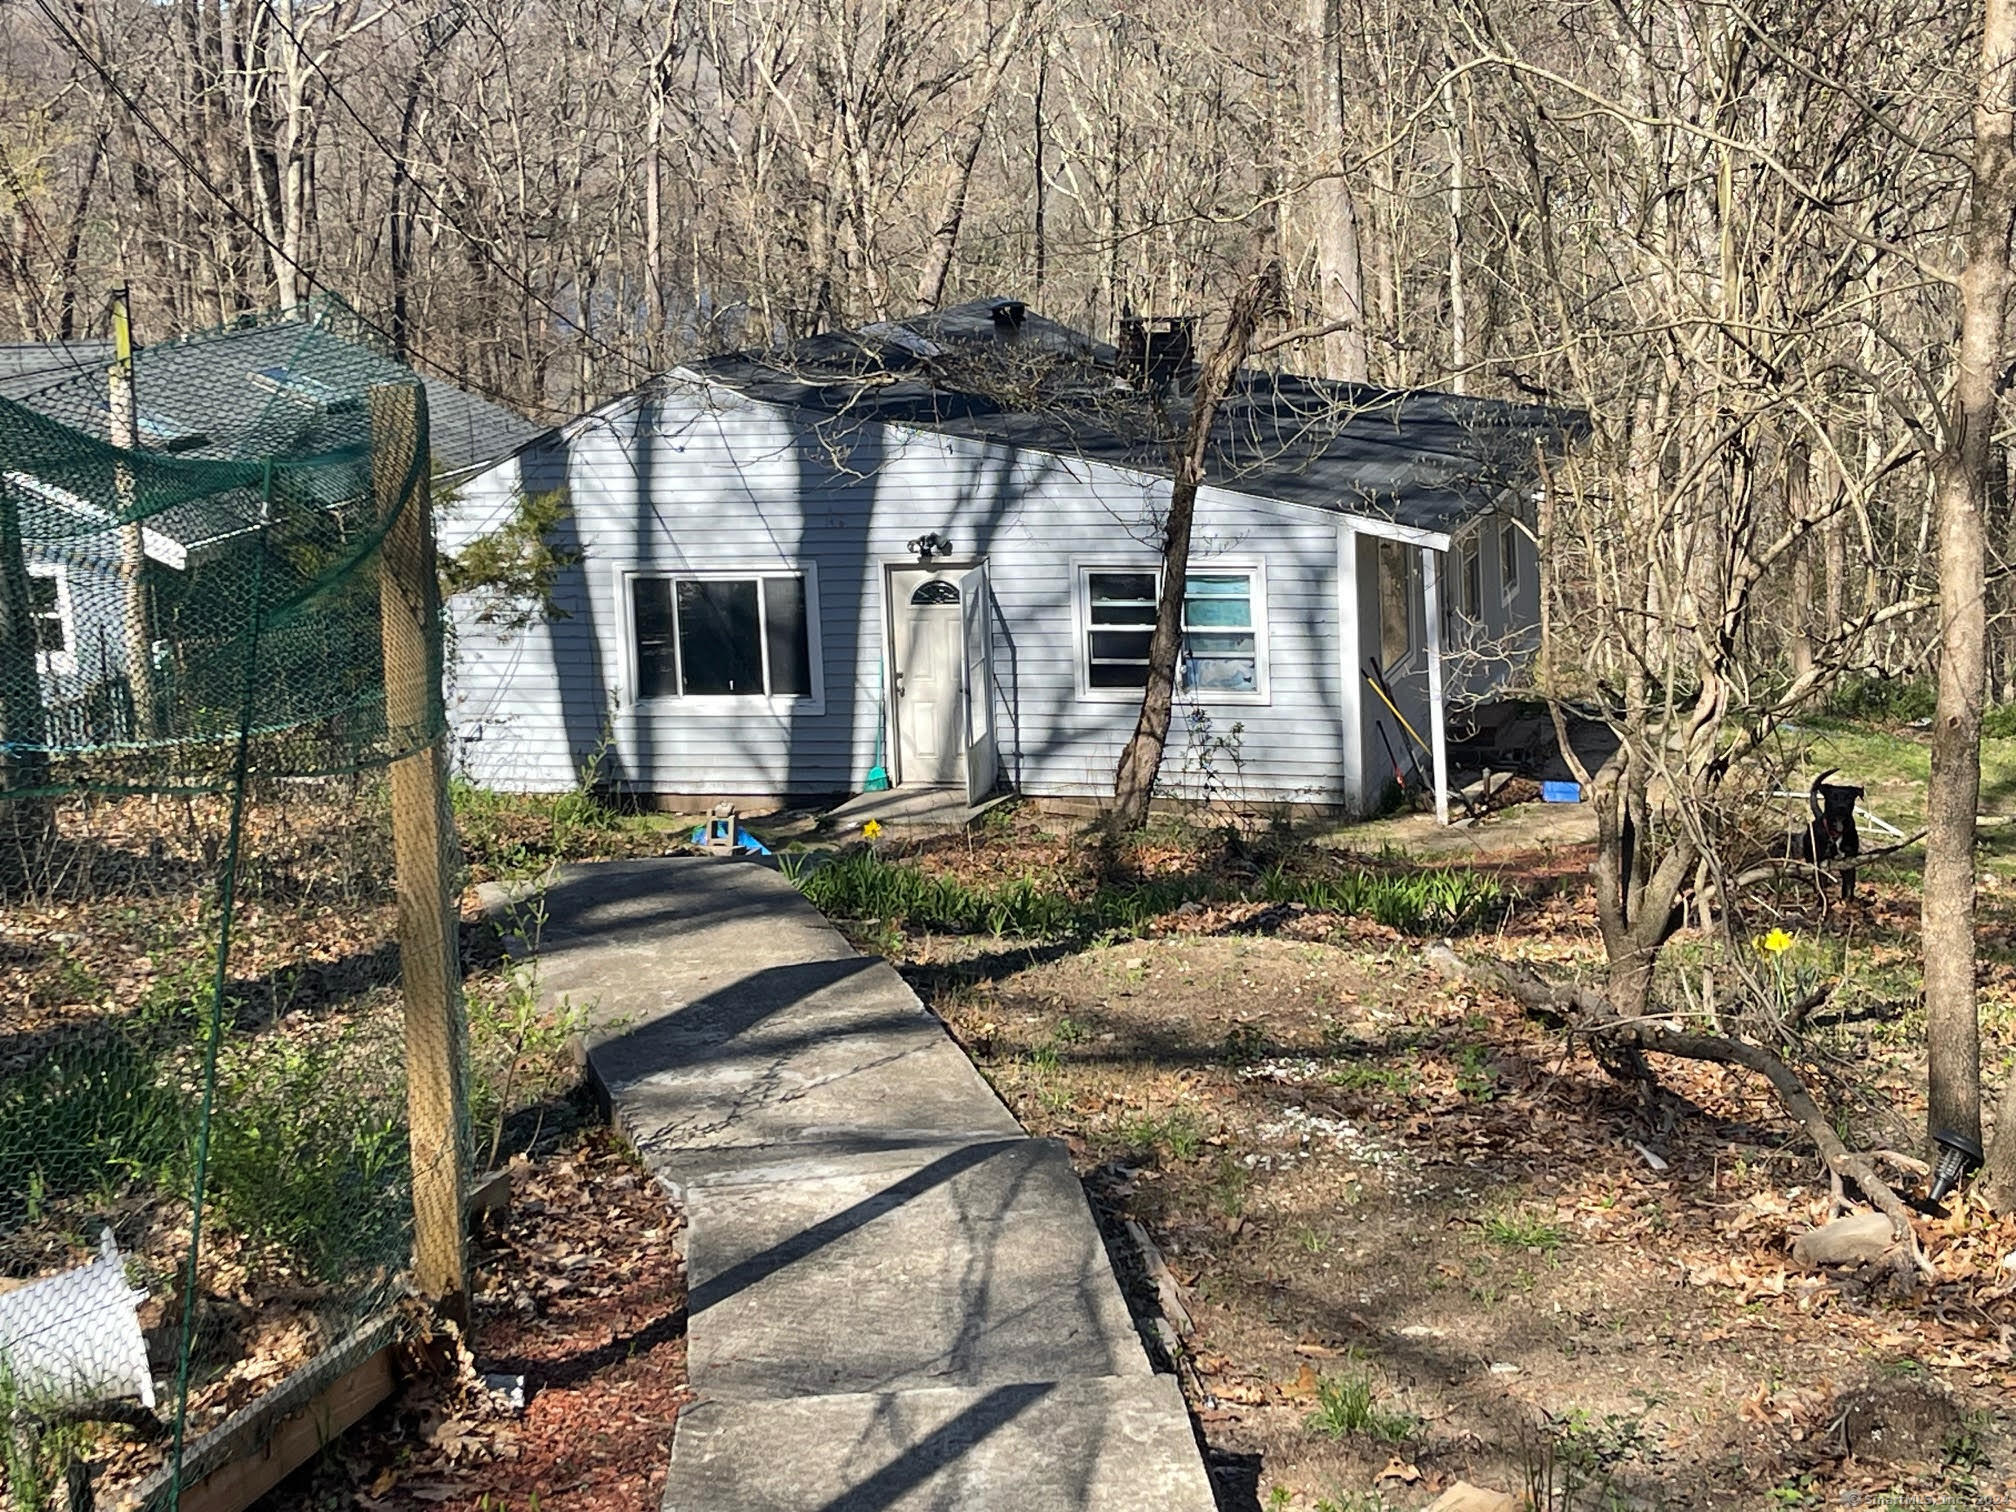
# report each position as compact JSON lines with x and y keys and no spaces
{"x":1141,"y":760}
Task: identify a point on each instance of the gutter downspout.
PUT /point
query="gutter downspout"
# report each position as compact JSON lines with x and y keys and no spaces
{"x":1438,"y":736}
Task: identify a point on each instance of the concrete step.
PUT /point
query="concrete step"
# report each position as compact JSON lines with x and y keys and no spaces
{"x":968,"y":1265}
{"x":1119,"y":1444}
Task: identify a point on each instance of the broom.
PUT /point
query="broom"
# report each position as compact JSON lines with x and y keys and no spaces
{"x":878,"y":774}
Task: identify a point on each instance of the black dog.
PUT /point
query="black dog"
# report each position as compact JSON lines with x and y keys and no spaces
{"x":1832,"y":835}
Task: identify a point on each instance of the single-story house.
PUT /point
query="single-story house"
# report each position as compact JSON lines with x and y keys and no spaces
{"x":932,"y":547}
{"x":286,"y":384}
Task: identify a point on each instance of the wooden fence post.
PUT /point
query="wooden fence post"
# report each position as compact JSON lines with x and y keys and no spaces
{"x":423,"y":846}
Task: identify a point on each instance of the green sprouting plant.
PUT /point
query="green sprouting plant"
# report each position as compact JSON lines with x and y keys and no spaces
{"x":36,"y":1453}
{"x":518,"y":1050}
{"x":1474,"y":1077}
{"x":1177,"y":1132}
{"x":863,"y":885}
{"x":308,"y":1150}
{"x":84,"y":1118}
{"x":1361,"y":1076}
{"x":1348,"y":1404}
{"x":1435,"y":901}
{"x":1228,"y":1186}
{"x":1595,"y":1443}
{"x":1516,"y":1229}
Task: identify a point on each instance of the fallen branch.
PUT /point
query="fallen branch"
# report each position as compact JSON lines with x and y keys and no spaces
{"x":1589,"y":1015}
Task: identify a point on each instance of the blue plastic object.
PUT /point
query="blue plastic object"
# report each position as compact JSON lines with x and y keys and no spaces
{"x":743,"y":840}
{"x":1560,"y":792}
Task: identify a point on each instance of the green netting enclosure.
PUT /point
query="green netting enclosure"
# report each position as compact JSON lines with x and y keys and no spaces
{"x":206,"y":1180}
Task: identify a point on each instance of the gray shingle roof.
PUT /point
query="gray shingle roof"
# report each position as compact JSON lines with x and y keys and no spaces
{"x":1418,"y":458}
{"x":221,"y":385}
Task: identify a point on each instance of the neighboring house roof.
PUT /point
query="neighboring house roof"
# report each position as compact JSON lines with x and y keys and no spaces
{"x":1418,"y":458}
{"x":222,"y":386}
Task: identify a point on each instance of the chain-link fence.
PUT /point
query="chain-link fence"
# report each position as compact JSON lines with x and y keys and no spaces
{"x":219,"y":730}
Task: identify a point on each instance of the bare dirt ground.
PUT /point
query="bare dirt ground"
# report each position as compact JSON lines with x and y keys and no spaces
{"x":1417,"y":1237}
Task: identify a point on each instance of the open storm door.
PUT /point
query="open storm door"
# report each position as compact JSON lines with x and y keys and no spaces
{"x":982,"y":758}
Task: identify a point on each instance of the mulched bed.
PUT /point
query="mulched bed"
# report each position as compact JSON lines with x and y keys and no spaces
{"x":582,"y":1291}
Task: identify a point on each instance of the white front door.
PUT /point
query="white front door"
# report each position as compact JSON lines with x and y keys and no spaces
{"x":930,"y":643}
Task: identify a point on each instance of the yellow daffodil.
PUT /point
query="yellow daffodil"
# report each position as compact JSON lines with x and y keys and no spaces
{"x":872,"y":830}
{"x":1775,"y":943}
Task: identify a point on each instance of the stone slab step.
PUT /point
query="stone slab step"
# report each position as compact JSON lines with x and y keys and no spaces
{"x":1112,"y":1445}
{"x":971,"y":1265}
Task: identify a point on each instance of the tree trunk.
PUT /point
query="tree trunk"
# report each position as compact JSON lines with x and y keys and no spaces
{"x":1799,"y":506}
{"x":1134,"y":782}
{"x":1333,"y":212}
{"x":951,"y":212}
{"x":1459,"y":306}
{"x":1952,"y":1028}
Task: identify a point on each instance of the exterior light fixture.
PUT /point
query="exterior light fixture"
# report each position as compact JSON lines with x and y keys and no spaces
{"x":928,"y":545}
{"x":1957,"y":1156}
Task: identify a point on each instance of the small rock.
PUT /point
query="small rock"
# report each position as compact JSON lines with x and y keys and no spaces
{"x":1845,"y":1241}
{"x":1135,"y":963}
{"x":1503,"y":1367}
{"x":1444,"y":962}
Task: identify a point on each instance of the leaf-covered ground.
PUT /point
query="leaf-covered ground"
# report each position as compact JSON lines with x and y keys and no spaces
{"x":1415,"y":1237}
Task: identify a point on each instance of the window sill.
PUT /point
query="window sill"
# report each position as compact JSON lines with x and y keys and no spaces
{"x":1133,"y":696}
{"x":738,"y":705}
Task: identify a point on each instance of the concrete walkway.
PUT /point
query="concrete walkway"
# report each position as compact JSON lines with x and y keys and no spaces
{"x":898,"y":1302}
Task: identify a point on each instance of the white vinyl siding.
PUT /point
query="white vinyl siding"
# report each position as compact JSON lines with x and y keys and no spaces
{"x":700,"y":482}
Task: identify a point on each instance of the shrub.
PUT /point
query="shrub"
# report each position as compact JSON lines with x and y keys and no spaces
{"x":1999,"y":723}
{"x":1883,"y":700}
{"x":308,"y":1151}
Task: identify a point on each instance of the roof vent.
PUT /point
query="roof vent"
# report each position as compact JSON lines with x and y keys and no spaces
{"x":1156,"y":350}
{"x":1008,"y":317}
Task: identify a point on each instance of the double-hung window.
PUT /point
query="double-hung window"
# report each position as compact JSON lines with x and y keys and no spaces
{"x":722,"y":636}
{"x":49,"y":609}
{"x":1470,"y":579}
{"x":1222,"y":650}
{"x":1508,"y":556}
{"x":1399,"y":591}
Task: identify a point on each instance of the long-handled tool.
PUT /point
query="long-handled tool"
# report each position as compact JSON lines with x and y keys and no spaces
{"x":1372,"y":675}
{"x":1399,"y":776}
{"x":1378,"y":683}
{"x":878,"y":774}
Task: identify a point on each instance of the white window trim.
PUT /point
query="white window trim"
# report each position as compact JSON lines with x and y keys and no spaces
{"x":1082,"y":569}
{"x":732,"y":704}
{"x":1509,"y":583}
{"x":64,"y":661}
